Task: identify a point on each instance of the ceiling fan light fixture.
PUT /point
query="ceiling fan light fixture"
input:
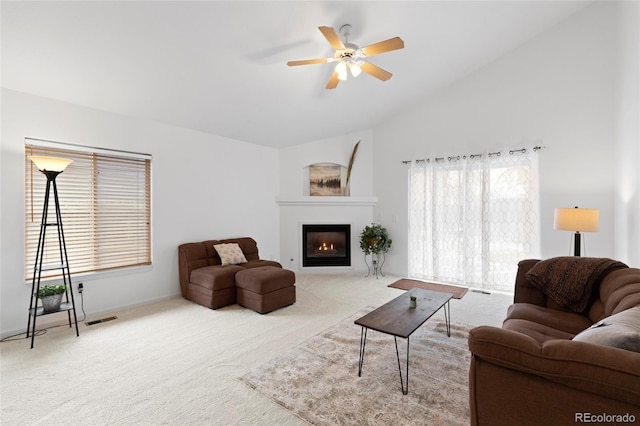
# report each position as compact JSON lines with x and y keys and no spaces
{"x":341,"y":69}
{"x":354,"y":66}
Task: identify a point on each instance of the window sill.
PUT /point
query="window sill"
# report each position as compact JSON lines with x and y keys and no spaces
{"x":93,"y":276}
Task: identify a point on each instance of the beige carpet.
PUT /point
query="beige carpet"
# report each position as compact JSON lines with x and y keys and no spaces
{"x":408,"y":284}
{"x":178,"y":363}
{"x":318,"y":380}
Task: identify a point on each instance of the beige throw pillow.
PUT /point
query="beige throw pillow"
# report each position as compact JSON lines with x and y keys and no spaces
{"x":230,"y":254}
{"x":621,"y":330}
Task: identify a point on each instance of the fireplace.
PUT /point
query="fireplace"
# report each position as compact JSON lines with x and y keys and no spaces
{"x":326,"y":245}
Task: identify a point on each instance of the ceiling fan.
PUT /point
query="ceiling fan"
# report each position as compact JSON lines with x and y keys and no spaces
{"x":349,"y":56}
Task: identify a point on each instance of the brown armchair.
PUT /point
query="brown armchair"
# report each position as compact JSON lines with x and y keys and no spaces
{"x":203,"y":278}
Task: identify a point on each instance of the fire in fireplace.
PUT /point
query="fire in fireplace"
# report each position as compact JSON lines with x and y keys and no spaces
{"x":326,"y":245}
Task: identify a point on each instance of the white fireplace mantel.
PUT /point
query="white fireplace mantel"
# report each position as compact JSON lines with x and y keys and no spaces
{"x":296,"y":211}
{"x":326,"y":201}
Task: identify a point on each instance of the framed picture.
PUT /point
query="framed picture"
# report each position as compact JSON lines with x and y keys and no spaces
{"x":325,"y":179}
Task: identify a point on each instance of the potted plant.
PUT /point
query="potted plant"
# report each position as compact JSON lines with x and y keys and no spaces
{"x":374,"y":239}
{"x":412,"y":301}
{"x":51,"y":296}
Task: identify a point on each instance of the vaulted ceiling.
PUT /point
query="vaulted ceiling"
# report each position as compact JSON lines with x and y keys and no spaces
{"x":220,"y":66}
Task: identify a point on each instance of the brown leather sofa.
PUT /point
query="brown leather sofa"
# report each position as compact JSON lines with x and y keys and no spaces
{"x":542,"y":368}
{"x":204,"y":280}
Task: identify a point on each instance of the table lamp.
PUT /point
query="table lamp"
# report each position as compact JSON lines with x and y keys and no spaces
{"x":577,"y":220}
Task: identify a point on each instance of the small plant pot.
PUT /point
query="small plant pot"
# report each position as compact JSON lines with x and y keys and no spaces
{"x":412,"y":302}
{"x":52,"y":303}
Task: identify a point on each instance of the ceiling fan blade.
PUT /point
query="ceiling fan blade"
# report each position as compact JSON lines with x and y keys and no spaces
{"x":331,"y":36}
{"x":309,"y":61}
{"x":383,"y":46}
{"x":333,"y":81}
{"x":375,"y":71}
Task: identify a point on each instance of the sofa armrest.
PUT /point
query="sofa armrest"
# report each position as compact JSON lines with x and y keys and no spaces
{"x":610,"y":372}
{"x":524,"y":292}
{"x":190,"y":257}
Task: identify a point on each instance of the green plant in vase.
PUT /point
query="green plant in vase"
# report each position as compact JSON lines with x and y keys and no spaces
{"x":51,"y":290}
{"x":375,"y":239}
{"x":51,"y":296}
{"x":413,"y":301}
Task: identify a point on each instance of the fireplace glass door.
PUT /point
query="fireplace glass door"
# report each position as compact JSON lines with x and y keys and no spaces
{"x":326,"y":245}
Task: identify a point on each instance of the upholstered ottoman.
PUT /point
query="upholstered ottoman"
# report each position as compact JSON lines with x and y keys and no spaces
{"x":265,"y":289}
{"x":213,"y":286}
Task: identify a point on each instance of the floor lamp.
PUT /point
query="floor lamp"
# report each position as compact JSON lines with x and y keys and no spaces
{"x":51,"y":167}
{"x":576,"y":220}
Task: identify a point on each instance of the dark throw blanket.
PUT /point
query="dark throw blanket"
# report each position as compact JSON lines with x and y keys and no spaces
{"x":570,"y":280}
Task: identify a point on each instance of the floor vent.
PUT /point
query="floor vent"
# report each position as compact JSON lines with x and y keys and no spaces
{"x":101,"y":320}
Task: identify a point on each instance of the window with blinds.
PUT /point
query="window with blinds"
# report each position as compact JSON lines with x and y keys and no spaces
{"x":105,"y":203}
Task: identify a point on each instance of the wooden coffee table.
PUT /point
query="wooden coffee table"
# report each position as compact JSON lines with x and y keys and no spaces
{"x":399,"y":320}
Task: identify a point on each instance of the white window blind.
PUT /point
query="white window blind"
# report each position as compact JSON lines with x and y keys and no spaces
{"x":105,"y":203}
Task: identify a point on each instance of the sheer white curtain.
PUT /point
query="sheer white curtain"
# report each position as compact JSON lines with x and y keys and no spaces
{"x":472,"y":218}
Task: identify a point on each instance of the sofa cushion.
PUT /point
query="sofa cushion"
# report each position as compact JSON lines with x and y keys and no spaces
{"x":261,"y":262}
{"x":620,"y":290}
{"x":539,"y":332}
{"x":621,"y":330}
{"x":567,"y":322}
{"x":248,"y":246}
{"x":230,"y":254}
{"x":215,"y":277}
{"x":265,"y":279}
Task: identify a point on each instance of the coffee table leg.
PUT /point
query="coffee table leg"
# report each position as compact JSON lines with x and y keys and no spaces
{"x":447,"y":318}
{"x":363,"y":341}
{"x":405,"y":390}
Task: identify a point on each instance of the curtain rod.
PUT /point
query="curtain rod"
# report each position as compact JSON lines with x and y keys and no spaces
{"x":472,"y":156}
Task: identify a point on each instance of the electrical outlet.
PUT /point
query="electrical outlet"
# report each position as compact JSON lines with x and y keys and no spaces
{"x":80,"y":288}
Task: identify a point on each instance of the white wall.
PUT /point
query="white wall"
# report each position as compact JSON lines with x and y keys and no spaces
{"x":337,"y":150}
{"x":557,"y":90}
{"x":628,"y":137}
{"x":204,"y":187}
{"x":294,"y":186}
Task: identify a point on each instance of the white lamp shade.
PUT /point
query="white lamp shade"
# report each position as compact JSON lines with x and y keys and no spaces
{"x":355,"y":68}
{"x":341,"y":69}
{"x":50,"y":164}
{"x":577,"y":220}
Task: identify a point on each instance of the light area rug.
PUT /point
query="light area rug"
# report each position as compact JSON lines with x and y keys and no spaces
{"x":318,"y":380}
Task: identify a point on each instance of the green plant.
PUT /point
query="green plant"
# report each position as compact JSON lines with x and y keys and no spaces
{"x":374,"y":239}
{"x":51,"y":290}
{"x":413,"y":298}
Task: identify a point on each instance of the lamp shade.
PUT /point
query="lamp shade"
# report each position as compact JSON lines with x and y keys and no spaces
{"x":341,"y":69}
{"x":50,"y":164}
{"x":576,"y":219}
{"x":355,"y":68}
